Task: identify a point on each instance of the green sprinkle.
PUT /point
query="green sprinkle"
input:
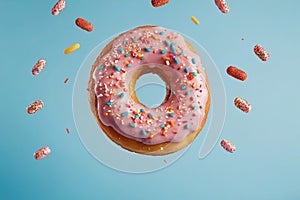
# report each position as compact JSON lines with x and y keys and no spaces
{"x":100,"y":67}
{"x":109,"y":103}
{"x":193,"y":60}
{"x":132,"y":125}
{"x":147,"y":49}
{"x":144,"y":132}
{"x":168,"y":43}
{"x":117,"y":68}
{"x":124,"y":114}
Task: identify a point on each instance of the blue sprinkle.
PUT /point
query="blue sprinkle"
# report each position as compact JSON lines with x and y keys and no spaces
{"x":117,"y":68}
{"x":181,"y":53}
{"x":162,"y":33}
{"x":132,"y":125}
{"x":162,"y":126}
{"x":124,"y":43}
{"x":127,"y":55}
{"x":186,"y":70}
{"x":187,"y":92}
{"x":163,"y":51}
{"x":187,"y":126}
{"x":109,"y":103}
{"x":194,"y":73}
{"x":173,"y":49}
{"x":171,"y":114}
{"x":100,"y":67}
{"x":194,"y":107}
{"x":176,"y":60}
{"x":122,"y":50}
{"x":150,"y":115}
{"x":168,"y":43}
{"x":133,"y":39}
{"x":142,"y":110}
{"x":122,"y":95}
{"x":136,"y":116}
{"x":174,"y":92}
{"x":124,"y":114}
{"x":147,"y":49}
{"x":129,"y":65}
{"x":183,"y":87}
{"x":144,"y":132}
{"x":142,"y":58}
{"x":193,"y":60}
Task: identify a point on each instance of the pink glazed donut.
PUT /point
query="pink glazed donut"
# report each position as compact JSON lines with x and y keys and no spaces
{"x":123,"y":118}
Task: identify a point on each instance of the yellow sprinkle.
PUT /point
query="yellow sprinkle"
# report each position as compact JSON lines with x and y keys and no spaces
{"x":195,"y":20}
{"x":72,"y":48}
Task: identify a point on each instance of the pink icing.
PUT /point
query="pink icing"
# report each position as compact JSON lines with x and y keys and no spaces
{"x":143,"y":47}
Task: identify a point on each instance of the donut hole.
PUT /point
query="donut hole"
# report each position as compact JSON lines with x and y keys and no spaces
{"x":150,"y":90}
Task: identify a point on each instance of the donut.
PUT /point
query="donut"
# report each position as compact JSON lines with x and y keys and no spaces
{"x":162,"y":130}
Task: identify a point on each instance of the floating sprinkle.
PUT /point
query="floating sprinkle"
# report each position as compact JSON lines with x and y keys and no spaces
{"x":242,"y":104}
{"x":72,"y":48}
{"x":42,"y":153}
{"x":124,"y":114}
{"x":147,"y":49}
{"x":158,"y":3}
{"x":66,"y":80}
{"x":117,"y":68}
{"x":228,"y":146}
{"x":186,"y":70}
{"x":58,"y":7}
{"x":261,"y":53}
{"x":35,"y":106}
{"x":194,"y":61}
{"x":38,"y":67}
{"x":144,"y":132}
{"x":221,"y":4}
{"x":67,"y":131}
{"x":195,"y":20}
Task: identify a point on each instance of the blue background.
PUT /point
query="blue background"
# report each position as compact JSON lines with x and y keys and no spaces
{"x":266,"y":165}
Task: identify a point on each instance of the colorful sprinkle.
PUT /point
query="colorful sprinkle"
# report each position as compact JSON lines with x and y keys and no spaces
{"x":132,"y":125}
{"x":171,"y":114}
{"x":183,"y":87}
{"x":136,"y":116}
{"x":127,"y":55}
{"x":129,"y":65}
{"x":122,"y":95}
{"x":100,"y":67}
{"x":168,"y":43}
{"x":124,"y":114}
{"x":162,"y":126}
{"x":195,"y":20}
{"x":186,"y":126}
{"x":163,"y":51}
{"x":162,"y":33}
{"x":173,"y":48}
{"x":122,"y":50}
{"x":142,"y":110}
{"x":194,"y":61}
{"x":186,"y":70}
{"x":109,"y":103}
{"x":188,"y":92}
{"x":144,"y":132}
{"x":117,"y":68}
{"x":134,"y":39}
{"x":147,"y":49}
{"x":176,"y":60}
{"x":194,"y":73}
